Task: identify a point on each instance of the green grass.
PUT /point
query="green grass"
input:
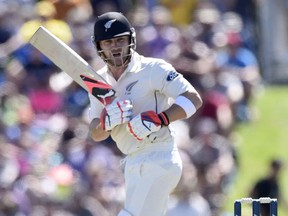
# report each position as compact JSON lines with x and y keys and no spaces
{"x":259,"y":141}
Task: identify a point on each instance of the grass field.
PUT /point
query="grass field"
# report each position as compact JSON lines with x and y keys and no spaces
{"x":261,"y":140}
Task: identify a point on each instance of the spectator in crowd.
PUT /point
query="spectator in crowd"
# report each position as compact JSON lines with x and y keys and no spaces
{"x":188,"y":199}
{"x":64,"y":8}
{"x":243,"y":63}
{"x":157,"y":33}
{"x":269,"y":186}
{"x":213,"y":157}
{"x":181,"y":11}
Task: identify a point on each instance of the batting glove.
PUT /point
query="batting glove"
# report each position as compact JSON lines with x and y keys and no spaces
{"x":146,"y":123}
{"x":116,"y":113}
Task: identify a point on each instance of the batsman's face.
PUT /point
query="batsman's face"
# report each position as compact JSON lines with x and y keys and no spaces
{"x":116,"y":50}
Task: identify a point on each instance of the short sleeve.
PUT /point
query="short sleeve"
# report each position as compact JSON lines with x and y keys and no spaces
{"x":167,"y":80}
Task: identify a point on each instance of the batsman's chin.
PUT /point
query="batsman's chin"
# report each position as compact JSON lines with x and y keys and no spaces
{"x":116,"y":62}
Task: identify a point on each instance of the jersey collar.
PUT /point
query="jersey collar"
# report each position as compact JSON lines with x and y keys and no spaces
{"x":133,"y":66}
{"x":135,"y":62}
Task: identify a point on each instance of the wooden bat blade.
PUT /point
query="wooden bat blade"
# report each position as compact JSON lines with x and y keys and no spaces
{"x":66,"y":59}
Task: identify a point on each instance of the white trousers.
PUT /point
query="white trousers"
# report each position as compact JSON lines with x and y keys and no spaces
{"x":150,"y":177}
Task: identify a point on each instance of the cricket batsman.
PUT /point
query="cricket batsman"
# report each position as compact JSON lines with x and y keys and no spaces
{"x":150,"y":95}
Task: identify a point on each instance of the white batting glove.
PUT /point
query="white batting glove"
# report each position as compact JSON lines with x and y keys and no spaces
{"x":146,"y":123}
{"x":116,"y":113}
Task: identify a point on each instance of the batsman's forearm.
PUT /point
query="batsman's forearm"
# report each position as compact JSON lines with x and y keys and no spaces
{"x":96,"y":131}
{"x":176,"y":112}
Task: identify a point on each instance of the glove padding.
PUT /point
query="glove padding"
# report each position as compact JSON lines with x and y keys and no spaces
{"x":116,"y":113}
{"x":146,"y":123}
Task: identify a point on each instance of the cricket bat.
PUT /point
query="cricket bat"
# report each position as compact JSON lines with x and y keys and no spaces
{"x":73,"y":64}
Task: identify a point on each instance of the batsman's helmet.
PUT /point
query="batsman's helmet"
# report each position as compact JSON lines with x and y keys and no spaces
{"x":111,"y":25}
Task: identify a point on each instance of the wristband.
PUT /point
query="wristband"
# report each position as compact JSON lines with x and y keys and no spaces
{"x":164,"y":118}
{"x":186,"y":105}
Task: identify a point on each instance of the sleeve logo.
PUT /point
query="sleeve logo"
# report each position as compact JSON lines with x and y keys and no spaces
{"x":172,"y":75}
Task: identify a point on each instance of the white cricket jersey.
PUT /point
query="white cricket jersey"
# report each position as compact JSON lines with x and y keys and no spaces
{"x":151,"y":84}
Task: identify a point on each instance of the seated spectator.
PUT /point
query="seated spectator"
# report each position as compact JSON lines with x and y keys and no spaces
{"x":188,"y":200}
{"x":45,"y":100}
{"x":181,"y":11}
{"x":45,"y":13}
{"x":269,"y":186}
{"x":213,"y":156}
{"x":242,"y":62}
{"x":217,"y":106}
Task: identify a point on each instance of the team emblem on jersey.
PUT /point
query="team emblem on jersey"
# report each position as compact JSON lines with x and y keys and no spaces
{"x":108,"y":24}
{"x":129,"y":87}
{"x":172,"y":75}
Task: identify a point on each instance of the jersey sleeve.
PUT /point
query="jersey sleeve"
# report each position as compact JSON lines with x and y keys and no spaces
{"x":167,"y":80}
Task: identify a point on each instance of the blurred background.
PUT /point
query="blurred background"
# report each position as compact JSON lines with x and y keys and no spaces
{"x":234,"y":52}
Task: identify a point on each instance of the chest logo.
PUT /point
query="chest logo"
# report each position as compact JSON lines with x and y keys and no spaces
{"x":172,"y":75}
{"x":108,"y":24}
{"x":129,"y":87}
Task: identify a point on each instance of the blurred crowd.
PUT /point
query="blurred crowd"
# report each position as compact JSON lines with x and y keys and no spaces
{"x":49,"y":165}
